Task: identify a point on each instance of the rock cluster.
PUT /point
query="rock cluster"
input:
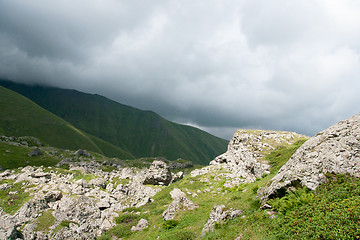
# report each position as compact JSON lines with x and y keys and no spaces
{"x":181,"y":202}
{"x":219,"y":214}
{"x":246,"y":150}
{"x":335,"y":150}
{"x":90,"y":206}
{"x":158,"y":174}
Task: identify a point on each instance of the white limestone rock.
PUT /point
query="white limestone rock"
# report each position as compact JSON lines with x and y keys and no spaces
{"x":246,"y":150}
{"x":335,"y":150}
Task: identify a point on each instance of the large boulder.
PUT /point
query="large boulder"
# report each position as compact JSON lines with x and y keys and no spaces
{"x":219,"y":214}
{"x":244,"y":157}
{"x":35,"y":152}
{"x":142,"y":224}
{"x":158,"y":174}
{"x":335,"y":150}
{"x":181,"y":202}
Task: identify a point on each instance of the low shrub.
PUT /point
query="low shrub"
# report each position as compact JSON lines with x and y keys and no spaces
{"x":170,"y":224}
{"x":332,"y":212}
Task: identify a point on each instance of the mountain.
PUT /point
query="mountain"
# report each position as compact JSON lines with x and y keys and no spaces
{"x":314,"y":183}
{"x":142,"y":133}
{"x":20,"y":116}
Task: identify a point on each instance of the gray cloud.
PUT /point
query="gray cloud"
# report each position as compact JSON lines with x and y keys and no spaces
{"x":219,"y":65}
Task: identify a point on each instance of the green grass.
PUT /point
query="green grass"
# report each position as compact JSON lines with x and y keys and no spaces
{"x":281,"y":155}
{"x":45,"y":221}
{"x":189,"y":224}
{"x":332,"y":212}
{"x":10,"y":203}
{"x":12,"y":157}
{"x":16,"y":110}
{"x":86,"y":177}
{"x":142,"y":133}
{"x":63,"y":224}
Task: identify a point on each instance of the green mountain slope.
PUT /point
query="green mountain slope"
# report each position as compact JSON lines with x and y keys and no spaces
{"x":143,"y":133}
{"x":21,"y":117}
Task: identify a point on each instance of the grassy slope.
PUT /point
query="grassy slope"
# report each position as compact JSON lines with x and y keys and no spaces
{"x":21,"y":117}
{"x":143,"y":133}
{"x":255,"y":224}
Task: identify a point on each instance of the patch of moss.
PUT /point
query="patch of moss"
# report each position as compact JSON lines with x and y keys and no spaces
{"x":45,"y":221}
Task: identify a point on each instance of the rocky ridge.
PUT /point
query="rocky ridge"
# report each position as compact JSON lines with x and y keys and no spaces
{"x":334,"y":150}
{"x":90,"y":206}
{"x":244,"y":157}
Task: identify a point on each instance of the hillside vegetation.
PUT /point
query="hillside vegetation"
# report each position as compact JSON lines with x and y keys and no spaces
{"x":142,"y":133}
{"x":88,"y":183}
{"x":21,"y":117}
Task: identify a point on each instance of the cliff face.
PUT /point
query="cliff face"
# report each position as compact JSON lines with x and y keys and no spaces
{"x":335,"y":150}
{"x":246,"y":150}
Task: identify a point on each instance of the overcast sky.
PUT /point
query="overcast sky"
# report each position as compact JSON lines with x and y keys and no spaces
{"x":216,"y":64}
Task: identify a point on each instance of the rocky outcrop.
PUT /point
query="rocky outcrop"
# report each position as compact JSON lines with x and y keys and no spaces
{"x":335,"y":150}
{"x":158,"y":174}
{"x":177,"y":176}
{"x":35,"y":152}
{"x":244,"y":157}
{"x":219,"y":214}
{"x":91,"y":207}
{"x":142,"y":224}
{"x":81,"y":152}
{"x":181,"y":202}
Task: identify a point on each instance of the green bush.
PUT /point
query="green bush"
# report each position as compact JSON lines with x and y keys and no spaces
{"x":127,"y":219}
{"x":292,"y":199}
{"x":332,"y":212}
{"x":170,"y":224}
{"x":255,"y":189}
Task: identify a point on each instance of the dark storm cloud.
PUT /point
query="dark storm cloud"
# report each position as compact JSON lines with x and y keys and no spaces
{"x":219,"y":65}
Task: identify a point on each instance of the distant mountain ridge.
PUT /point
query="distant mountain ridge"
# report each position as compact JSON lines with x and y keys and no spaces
{"x":142,"y":133}
{"x":21,"y":117}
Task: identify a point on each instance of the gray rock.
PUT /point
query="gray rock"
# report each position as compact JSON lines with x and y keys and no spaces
{"x":53,"y":196}
{"x":177,"y":176}
{"x":35,"y":152}
{"x":142,"y":224}
{"x":82,"y":152}
{"x":6,"y":173}
{"x":30,"y":210}
{"x":158,"y":174}
{"x":103,"y":204}
{"x":177,"y":165}
{"x":99,"y":182}
{"x":245,"y":152}
{"x":181,"y":202}
{"x":335,"y":150}
{"x":219,"y":214}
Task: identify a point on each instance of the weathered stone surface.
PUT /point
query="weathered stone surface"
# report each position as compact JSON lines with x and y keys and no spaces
{"x":335,"y":150}
{"x":35,"y":152}
{"x":91,"y":209}
{"x":219,"y":214}
{"x":176,"y":165}
{"x":158,"y":174}
{"x":99,"y":182}
{"x":82,"y":152}
{"x":177,"y":176}
{"x":246,"y":149}
{"x":181,"y":202}
{"x":53,"y":196}
{"x":142,"y":224}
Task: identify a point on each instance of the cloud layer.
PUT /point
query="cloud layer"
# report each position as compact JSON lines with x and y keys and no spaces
{"x":219,"y":65}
